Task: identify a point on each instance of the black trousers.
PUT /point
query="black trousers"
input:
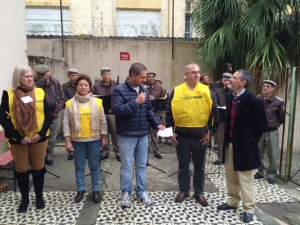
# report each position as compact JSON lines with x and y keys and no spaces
{"x":187,"y":149}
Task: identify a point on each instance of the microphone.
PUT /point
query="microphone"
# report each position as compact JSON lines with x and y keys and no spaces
{"x":144,"y":88}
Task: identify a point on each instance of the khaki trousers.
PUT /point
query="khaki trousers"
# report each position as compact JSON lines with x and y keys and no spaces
{"x":240,"y":184}
{"x":29,"y":156}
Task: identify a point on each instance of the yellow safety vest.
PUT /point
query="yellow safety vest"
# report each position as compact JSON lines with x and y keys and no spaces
{"x":191,"y":108}
{"x":85,"y":119}
{"x":39,"y":105}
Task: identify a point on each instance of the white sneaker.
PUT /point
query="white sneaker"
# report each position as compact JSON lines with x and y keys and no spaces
{"x":144,"y":198}
{"x":126,"y":200}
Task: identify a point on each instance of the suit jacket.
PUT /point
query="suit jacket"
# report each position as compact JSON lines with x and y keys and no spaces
{"x":249,"y":123}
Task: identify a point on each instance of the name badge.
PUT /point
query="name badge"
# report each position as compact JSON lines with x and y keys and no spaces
{"x":26,"y":99}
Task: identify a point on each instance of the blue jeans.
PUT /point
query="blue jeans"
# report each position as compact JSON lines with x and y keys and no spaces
{"x":133,"y":148}
{"x":89,"y":150}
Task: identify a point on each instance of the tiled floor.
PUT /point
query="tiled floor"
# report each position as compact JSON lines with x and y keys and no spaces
{"x":61,"y":209}
{"x":165,"y":211}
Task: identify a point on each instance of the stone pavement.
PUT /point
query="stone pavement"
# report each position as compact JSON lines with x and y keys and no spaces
{"x":162,"y":187}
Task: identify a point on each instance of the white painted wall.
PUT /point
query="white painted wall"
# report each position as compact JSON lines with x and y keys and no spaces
{"x":13,"y":44}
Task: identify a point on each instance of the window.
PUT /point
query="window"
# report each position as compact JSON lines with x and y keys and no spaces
{"x":188,"y":26}
{"x":133,"y":23}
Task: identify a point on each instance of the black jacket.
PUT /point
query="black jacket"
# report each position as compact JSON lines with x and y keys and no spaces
{"x":249,"y":124}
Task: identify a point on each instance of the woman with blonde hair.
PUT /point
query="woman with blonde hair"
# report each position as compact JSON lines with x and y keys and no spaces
{"x":26,"y":118}
{"x":85,"y":130}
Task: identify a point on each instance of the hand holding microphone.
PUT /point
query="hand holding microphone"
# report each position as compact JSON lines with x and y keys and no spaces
{"x":140,"y":99}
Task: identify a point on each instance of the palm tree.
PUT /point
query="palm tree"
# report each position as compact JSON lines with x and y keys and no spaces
{"x":251,"y":34}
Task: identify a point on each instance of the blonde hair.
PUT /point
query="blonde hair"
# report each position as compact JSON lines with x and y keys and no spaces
{"x":19,"y":71}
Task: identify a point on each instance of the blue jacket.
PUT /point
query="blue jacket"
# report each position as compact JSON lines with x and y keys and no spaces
{"x":132,"y":119}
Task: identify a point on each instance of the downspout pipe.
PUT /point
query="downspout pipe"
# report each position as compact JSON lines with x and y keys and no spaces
{"x":62,"y":29}
{"x":289,"y":148}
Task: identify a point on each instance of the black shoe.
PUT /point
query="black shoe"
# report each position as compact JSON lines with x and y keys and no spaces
{"x":224,"y":207}
{"x":102,"y":157}
{"x":217,"y":162}
{"x":118,"y":158}
{"x":70,"y":156}
{"x":49,"y":162}
{"x":96,"y":197}
{"x":39,"y":202}
{"x":79,"y":196}
{"x":23,"y":206}
{"x":158,"y":156}
{"x":271,"y":180}
{"x":258,"y":176}
{"x":247,"y":217}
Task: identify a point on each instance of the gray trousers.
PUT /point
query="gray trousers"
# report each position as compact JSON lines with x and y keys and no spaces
{"x":269,"y":143}
{"x":111,"y":128}
{"x":220,"y":136}
{"x":52,"y":139}
{"x":153,"y":136}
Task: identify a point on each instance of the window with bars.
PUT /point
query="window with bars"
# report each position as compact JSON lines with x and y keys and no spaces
{"x":188,"y":26}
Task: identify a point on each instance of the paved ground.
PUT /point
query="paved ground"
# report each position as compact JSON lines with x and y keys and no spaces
{"x":277,"y":204}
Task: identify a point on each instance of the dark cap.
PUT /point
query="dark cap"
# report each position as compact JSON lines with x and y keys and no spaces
{"x":42,"y":68}
{"x":228,"y":65}
{"x":104,"y":69}
{"x":151,"y":73}
{"x":73,"y":71}
{"x":270,"y":82}
{"x":226,"y":75}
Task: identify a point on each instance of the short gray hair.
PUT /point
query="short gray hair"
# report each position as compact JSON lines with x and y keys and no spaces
{"x":186,"y":67}
{"x":246,"y":76}
{"x":19,"y":71}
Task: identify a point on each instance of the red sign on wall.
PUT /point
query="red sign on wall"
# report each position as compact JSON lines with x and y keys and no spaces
{"x":124,"y":56}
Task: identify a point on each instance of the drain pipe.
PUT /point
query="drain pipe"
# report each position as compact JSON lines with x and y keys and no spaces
{"x":62,"y":29}
{"x":289,"y":148}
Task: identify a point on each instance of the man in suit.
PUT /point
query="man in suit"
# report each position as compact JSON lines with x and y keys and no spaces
{"x":245,"y":122}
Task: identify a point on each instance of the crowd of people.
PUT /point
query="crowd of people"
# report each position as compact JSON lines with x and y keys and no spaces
{"x":245,"y":126}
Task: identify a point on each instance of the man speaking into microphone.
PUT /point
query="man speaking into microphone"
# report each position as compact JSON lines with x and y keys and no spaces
{"x":134,"y":116}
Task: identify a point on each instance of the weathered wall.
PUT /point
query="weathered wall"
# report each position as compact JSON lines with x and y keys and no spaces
{"x":13,"y":43}
{"x":88,"y":55}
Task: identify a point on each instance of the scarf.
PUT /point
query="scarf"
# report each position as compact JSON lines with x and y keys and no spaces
{"x":24,"y":113}
{"x":75,"y":115}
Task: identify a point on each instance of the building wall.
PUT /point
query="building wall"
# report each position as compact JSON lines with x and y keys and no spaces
{"x":13,"y":41}
{"x":106,"y":18}
{"x":88,"y":55}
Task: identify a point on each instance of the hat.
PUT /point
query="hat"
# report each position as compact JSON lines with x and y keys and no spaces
{"x":228,"y":65}
{"x":104,"y":69}
{"x":151,"y":73}
{"x":158,"y":80}
{"x":227,"y":75}
{"x":42,"y":68}
{"x":72,"y":71}
{"x":270,"y":82}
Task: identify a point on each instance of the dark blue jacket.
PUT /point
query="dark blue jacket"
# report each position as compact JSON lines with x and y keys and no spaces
{"x":249,"y":123}
{"x":132,"y":119}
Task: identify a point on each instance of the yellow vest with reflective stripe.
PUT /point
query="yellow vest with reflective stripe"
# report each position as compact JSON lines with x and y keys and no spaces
{"x":39,"y":105}
{"x":85,"y":118}
{"x":191,"y":108}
